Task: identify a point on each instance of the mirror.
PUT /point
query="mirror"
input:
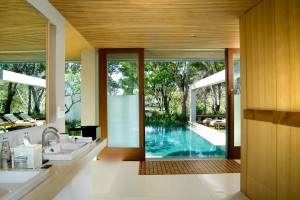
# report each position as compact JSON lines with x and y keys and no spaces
{"x":23,"y":53}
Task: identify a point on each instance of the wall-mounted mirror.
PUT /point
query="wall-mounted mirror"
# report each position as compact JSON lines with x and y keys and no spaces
{"x":23,"y":53}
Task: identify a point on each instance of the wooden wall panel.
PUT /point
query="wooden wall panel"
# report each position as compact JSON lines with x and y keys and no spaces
{"x":283,"y":98}
{"x":261,"y":75}
{"x":295,"y":164}
{"x":272,"y":68}
{"x":260,"y":80}
{"x":294,"y":56}
{"x":261,"y":155}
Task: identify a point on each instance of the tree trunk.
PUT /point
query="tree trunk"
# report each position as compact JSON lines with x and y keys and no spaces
{"x":215,"y":99}
{"x":205,"y":100}
{"x":36,"y":108}
{"x":165,"y":99}
{"x":131,"y":79}
{"x":29,"y":99}
{"x":10,"y":94}
{"x":185,"y":89}
{"x":219,"y":97}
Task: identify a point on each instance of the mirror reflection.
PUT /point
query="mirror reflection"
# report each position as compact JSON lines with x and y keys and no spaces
{"x":23,"y":42}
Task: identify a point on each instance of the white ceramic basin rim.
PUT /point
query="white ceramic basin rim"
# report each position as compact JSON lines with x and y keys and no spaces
{"x":16,"y":183}
{"x":68,"y":151}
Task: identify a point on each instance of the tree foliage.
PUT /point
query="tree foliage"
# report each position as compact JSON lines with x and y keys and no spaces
{"x":166,"y":86}
{"x":16,"y":97}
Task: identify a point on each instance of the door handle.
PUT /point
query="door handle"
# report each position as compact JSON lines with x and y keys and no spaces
{"x":230,"y":91}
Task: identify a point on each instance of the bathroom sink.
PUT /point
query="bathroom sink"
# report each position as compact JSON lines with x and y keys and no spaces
{"x":67,"y":151}
{"x":16,"y":183}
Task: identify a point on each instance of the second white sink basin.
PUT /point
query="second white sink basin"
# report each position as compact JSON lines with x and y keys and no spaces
{"x":14,"y":183}
{"x":68,"y":151}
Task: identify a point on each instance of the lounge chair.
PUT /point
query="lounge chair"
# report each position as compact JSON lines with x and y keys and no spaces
{"x":217,"y":123}
{"x":207,"y":121}
{"x":4,"y":124}
{"x":17,"y":122}
{"x":28,"y":118}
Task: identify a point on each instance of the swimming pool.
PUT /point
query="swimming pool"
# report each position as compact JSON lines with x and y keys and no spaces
{"x":178,"y":142}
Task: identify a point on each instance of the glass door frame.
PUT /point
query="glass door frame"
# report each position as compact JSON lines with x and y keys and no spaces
{"x":114,"y":153}
{"x":233,"y":152}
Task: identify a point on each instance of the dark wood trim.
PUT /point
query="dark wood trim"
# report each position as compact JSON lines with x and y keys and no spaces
{"x":276,"y":117}
{"x":141,"y":71}
{"x":128,"y":154}
{"x":232,"y":151}
{"x":102,"y":90}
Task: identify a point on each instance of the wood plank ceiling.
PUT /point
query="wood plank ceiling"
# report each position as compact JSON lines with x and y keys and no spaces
{"x":169,"y":24}
{"x":23,"y":34}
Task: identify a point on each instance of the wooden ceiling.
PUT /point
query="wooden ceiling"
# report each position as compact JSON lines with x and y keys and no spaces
{"x":168,"y":24}
{"x":23,"y":34}
{"x":75,"y":43}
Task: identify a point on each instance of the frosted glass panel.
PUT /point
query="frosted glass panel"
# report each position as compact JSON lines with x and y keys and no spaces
{"x":237,"y":120}
{"x":237,"y":101}
{"x":122,"y":100}
{"x":123,"y":121}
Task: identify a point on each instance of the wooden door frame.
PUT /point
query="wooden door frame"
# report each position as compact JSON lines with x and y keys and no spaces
{"x":120,"y":153}
{"x":233,"y":152}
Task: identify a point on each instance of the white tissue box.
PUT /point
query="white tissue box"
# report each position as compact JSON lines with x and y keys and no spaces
{"x":34,"y":154}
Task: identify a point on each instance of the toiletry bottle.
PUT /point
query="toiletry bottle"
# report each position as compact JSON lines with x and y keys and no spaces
{"x":26,"y":136}
{"x":5,"y":154}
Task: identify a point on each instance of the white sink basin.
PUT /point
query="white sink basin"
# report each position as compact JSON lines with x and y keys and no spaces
{"x":15,"y":184}
{"x":68,"y":151}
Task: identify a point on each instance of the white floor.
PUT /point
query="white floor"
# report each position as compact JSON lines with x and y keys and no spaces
{"x":213,"y":136}
{"x":120,"y":181}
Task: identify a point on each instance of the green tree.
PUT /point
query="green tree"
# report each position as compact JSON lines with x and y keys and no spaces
{"x":72,"y":84}
{"x":160,"y":82}
{"x":129,"y":78}
{"x":113,"y":83}
{"x":184,"y":74}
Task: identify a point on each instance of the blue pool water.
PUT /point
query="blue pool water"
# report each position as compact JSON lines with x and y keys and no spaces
{"x":178,"y":142}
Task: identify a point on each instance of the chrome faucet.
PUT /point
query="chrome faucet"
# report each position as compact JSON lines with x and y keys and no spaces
{"x":48,"y":130}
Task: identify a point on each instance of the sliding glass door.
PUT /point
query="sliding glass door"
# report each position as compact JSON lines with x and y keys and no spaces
{"x":233,"y":104}
{"x":121,"y":90}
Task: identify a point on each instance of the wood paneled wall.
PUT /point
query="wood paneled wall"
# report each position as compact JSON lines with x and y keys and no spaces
{"x":270,"y":74}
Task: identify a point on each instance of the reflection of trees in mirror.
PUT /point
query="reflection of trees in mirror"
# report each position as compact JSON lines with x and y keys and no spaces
{"x":72,"y":85}
{"x":16,"y":97}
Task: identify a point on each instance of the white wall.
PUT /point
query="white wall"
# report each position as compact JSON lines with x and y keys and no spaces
{"x":89,"y":89}
{"x":55,"y":77}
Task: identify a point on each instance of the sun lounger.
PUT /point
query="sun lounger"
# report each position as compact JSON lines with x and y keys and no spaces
{"x":217,"y":123}
{"x":4,"y":124}
{"x":28,"y":118}
{"x":17,"y":122}
{"x":206,"y":121}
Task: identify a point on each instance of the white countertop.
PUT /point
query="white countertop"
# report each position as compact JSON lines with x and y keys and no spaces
{"x":62,"y":172}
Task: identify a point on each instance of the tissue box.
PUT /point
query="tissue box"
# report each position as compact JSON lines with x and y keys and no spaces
{"x":34,"y":154}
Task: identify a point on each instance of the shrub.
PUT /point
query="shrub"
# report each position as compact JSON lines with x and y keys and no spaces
{"x":159,"y":118}
{"x":73,"y":123}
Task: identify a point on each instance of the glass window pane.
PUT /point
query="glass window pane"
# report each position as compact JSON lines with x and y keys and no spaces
{"x":123,"y":100}
{"x":237,"y":101}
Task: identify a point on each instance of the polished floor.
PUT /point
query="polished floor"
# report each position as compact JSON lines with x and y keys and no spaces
{"x":120,"y":181}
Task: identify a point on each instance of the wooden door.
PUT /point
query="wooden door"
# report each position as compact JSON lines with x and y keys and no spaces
{"x":233,"y":103}
{"x":121,"y":103}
